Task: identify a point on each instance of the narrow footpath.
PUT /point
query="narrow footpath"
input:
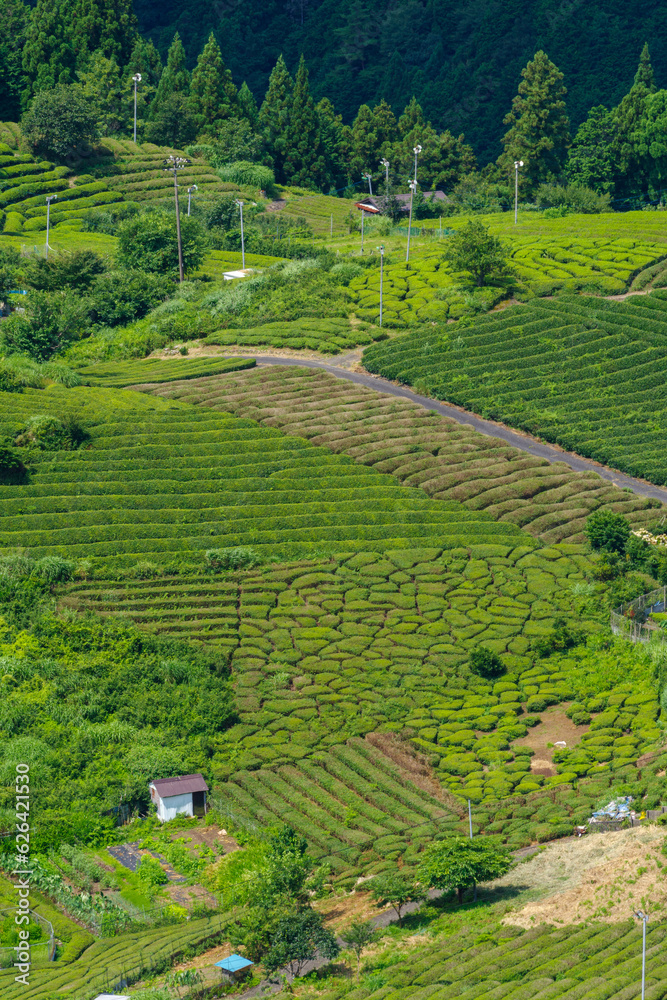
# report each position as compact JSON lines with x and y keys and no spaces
{"x":517,"y":439}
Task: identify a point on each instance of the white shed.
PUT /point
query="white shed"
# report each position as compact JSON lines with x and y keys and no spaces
{"x":185,"y":795}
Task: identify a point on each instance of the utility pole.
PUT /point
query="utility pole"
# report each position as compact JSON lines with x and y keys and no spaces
{"x":517,"y":164}
{"x":369,"y":177}
{"x":190,"y":190}
{"x":362,"y":230}
{"x":174,"y":164}
{"x":644,"y":919}
{"x":416,"y":150}
{"x":385,"y":163}
{"x":49,"y":199}
{"x":240,"y":204}
{"x":413,"y":188}
{"x":381,"y":249}
{"x":137,"y":79}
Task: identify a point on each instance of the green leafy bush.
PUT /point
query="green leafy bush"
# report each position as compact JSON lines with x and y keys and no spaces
{"x":486,"y":663}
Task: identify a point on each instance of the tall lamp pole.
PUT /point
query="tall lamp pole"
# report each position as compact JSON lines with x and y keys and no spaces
{"x":369,"y":178}
{"x":381,"y":249}
{"x":174,"y":164}
{"x":190,"y":190}
{"x":517,"y":164}
{"x":384,"y":162}
{"x":644,"y":919}
{"x":362,"y":229}
{"x":417,"y":150}
{"x":413,"y":188}
{"x":137,"y":79}
{"x":240,"y":204}
{"x":49,"y":199}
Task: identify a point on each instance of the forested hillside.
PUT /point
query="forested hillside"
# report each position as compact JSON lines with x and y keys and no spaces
{"x":462,"y":59}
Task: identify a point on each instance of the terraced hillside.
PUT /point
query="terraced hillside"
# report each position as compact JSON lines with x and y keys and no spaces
{"x":448,"y":460}
{"x":582,"y":372}
{"x":116,"y":374}
{"x":167,"y":481}
{"x":24,"y":184}
{"x":136,"y":172}
{"x":485,"y":959}
{"x":317,"y":210}
{"x":427,"y":290}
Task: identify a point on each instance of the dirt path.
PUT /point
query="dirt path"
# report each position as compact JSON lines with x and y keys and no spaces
{"x":350,"y":368}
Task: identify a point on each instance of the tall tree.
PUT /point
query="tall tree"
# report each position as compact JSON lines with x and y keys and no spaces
{"x":331,"y":135}
{"x":175,"y":77}
{"x":213,"y":94}
{"x":61,"y":34}
{"x":105,"y":89}
{"x":539,"y":128}
{"x":591,"y":159}
{"x":644,"y":74}
{"x":144,"y":59}
{"x":14,"y":15}
{"x":274,"y":115}
{"x":444,"y":159}
{"x":248,"y":105}
{"x":304,"y":163}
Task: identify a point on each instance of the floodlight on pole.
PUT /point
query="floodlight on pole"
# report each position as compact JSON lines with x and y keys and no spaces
{"x":381,"y":249}
{"x":640,"y":915}
{"x":49,"y":199}
{"x":413,"y":189}
{"x":417,"y":150}
{"x":363,"y":213}
{"x":174,"y":164}
{"x":517,"y":164}
{"x":240,"y":204}
{"x":369,"y":177}
{"x":137,"y":79}
{"x":190,"y":190}
{"x":384,"y":162}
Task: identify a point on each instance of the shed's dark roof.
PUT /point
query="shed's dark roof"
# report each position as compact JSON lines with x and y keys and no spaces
{"x":233,"y":963}
{"x":180,"y":786}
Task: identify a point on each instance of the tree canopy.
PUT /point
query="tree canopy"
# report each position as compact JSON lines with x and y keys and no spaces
{"x":459,"y":864}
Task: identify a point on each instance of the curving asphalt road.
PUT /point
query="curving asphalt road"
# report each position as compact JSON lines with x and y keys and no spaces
{"x":524,"y":442}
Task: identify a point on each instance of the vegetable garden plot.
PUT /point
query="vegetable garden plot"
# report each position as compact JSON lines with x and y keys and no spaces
{"x":168,"y":481}
{"x":444,"y":458}
{"x":585,"y":373}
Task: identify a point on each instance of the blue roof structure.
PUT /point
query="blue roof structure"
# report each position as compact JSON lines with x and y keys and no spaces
{"x":234,"y":963}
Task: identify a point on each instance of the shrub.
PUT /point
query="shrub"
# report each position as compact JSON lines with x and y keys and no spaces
{"x":123,"y":296}
{"x":485,"y":663}
{"x":608,"y":531}
{"x":77,"y":269}
{"x":572,"y":198}
{"x":60,"y":121}
{"x":48,"y":433}
{"x":231,"y":558}
{"x":247,"y":174}
{"x":50,"y":322}
{"x":149,"y":243}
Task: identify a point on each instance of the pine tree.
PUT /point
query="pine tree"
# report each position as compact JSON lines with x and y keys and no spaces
{"x":213,"y":94}
{"x":304,"y":163}
{"x":411,"y":120}
{"x":175,"y":77}
{"x":331,"y":135}
{"x":274,"y":115}
{"x":591,"y":160}
{"x":14,"y":19}
{"x":644,"y":74}
{"x":362,"y":144}
{"x":62,"y":34}
{"x":248,"y":105}
{"x":539,"y":132}
{"x":385,"y":127}
{"x":144,"y":59}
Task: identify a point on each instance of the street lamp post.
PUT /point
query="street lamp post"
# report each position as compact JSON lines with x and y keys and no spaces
{"x":644,"y":919}
{"x":174,"y":164}
{"x":137,"y":79}
{"x":240,"y":204}
{"x":417,"y":150}
{"x":369,"y":177}
{"x":384,"y":162}
{"x":362,"y":229}
{"x":49,"y":199}
{"x":517,"y":164}
{"x":413,"y":188}
{"x":190,"y":190}
{"x":381,"y":249}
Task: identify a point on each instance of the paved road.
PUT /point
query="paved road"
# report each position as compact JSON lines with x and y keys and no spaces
{"x":524,"y":442}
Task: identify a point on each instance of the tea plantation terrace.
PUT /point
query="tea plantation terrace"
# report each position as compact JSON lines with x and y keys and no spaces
{"x":160,"y":480}
{"x":448,"y":460}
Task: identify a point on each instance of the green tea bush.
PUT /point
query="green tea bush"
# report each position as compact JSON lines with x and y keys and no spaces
{"x":485,"y":663}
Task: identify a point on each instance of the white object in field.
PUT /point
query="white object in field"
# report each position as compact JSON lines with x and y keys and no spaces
{"x":560,"y":743}
{"x":184,"y":795}
{"x":231,"y":275}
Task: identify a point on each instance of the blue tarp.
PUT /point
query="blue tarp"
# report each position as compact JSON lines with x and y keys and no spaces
{"x":234,"y":963}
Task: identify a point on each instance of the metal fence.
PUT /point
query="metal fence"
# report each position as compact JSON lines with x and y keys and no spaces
{"x":632,"y":621}
{"x":42,"y":951}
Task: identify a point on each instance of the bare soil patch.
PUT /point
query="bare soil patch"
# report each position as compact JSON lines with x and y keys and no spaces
{"x":555,"y":727}
{"x":339,"y":913}
{"x":413,"y":766}
{"x":605,"y":876}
